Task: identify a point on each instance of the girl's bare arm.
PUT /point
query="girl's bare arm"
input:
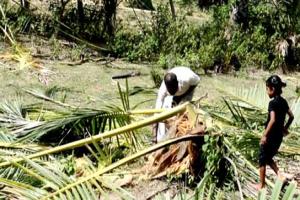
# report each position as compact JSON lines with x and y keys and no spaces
{"x":290,"y":120}
{"x":269,"y":126}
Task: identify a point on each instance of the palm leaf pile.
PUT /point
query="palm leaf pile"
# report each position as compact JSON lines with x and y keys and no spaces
{"x":178,"y":158}
{"x":19,"y":54}
{"x":64,"y":152}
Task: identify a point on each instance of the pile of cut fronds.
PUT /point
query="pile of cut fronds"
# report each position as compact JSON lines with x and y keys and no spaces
{"x":178,"y":158}
{"x":20,"y":54}
{"x":38,"y":174}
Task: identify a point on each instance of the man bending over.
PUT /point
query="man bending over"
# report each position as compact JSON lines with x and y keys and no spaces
{"x":179,"y":83}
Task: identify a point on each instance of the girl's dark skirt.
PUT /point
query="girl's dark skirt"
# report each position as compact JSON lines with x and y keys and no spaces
{"x":268,"y":151}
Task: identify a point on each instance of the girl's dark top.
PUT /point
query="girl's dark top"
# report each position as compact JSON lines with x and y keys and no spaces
{"x":280,"y":106}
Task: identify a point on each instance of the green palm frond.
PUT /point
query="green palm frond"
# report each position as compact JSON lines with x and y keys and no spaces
{"x":47,"y":95}
{"x":50,"y":177}
{"x":71,"y":123}
{"x":201,"y":187}
{"x":4,"y":26}
{"x":296,"y":111}
{"x":246,"y":170}
{"x":14,"y":174}
{"x":290,"y":191}
{"x":237,"y":113}
{"x":94,"y":177}
{"x":279,"y":193}
{"x":58,"y":185}
{"x":257,"y":98}
{"x":251,"y":119}
{"x":17,"y":190}
{"x":121,"y":130}
{"x":156,"y":77}
{"x":9,"y":148}
{"x":30,"y":148}
{"x":14,"y":108}
{"x":79,"y":123}
{"x":254,"y":96}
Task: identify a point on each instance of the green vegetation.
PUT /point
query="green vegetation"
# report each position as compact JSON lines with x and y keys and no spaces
{"x":255,"y":39}
{"x":261,"y":34}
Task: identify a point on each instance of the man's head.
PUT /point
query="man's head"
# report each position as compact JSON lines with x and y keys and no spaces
{"x":171,"y":82}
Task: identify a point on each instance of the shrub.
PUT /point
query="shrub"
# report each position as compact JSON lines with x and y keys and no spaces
{"x":179,"y":42}
{"x":141,"y":4}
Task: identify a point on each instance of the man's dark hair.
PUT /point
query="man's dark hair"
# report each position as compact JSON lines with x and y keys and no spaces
{"x":275,"y":82}
{"x":171,"y":82}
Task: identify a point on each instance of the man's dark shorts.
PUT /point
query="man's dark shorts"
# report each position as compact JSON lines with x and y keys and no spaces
{"x":268,"y":151}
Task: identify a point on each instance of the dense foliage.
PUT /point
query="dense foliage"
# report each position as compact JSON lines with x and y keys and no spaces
{"x":247,"y":33}
{"x":249,"y":38}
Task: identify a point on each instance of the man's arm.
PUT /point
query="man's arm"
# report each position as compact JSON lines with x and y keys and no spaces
{"x":162,"y":93}
{"x":263,"y":140}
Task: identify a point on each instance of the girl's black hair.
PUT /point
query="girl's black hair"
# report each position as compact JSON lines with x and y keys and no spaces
{"x":275,"y":82}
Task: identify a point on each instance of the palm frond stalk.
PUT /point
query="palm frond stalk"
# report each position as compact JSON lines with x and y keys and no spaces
{"x":64,"y":190}
{"x":156,"y":118}
{"x":277,"y":192}
{"x":296,"y":111}
{"x":60,"y":125}
{"x":60,"y":186}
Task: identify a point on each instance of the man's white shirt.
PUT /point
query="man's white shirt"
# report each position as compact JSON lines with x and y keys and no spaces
{"x":185,"y":77}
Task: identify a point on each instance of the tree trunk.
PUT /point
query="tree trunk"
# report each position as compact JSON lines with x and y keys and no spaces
{"x":141,"y":4}
{"x":80,"y":14}
{"x":58,"y":16}
{"x":24,"y":4}
{"x":172,"y":9}
{"x":110,"y":7}
{"x":240,"y":12}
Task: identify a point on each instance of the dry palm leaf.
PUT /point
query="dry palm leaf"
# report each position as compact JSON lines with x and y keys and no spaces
{"x":25,"y":61}
{"x":179,"y":157}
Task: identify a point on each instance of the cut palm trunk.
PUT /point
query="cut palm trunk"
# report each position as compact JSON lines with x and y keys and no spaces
{"x":179,"y":157}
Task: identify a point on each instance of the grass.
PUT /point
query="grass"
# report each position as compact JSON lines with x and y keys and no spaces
{"x":90,"y":84}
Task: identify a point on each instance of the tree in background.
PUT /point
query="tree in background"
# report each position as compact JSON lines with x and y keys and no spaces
{"x":207,"y":3}
{"x":80,"y":14}
{"x":141,"y":4}
{"x":172,"y":9}
{"x":240,"y":13}
{"x":110,"y":9}
{"x":24,"y":4}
